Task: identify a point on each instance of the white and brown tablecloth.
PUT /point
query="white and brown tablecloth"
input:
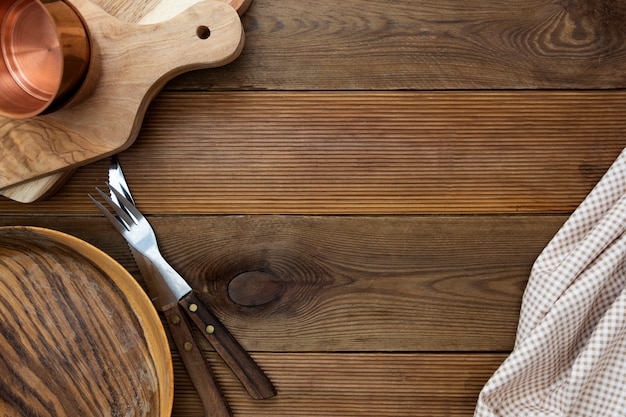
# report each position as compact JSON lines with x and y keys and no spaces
{"x":569,"y":357}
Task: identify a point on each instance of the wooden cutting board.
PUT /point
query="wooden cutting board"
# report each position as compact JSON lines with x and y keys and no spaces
{"x":39,"y":154}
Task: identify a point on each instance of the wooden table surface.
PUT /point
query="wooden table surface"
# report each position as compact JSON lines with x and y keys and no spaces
{"x":361,"y":195}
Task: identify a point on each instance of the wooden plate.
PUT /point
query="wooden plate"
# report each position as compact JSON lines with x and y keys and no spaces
{"x":78,"y":336}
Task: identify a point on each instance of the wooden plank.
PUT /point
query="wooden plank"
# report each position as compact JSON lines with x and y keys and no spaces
{"x":351,"y":384}
{"x":363,"y":153}
{"x":431,"y":44}
{"x":398,"y":283}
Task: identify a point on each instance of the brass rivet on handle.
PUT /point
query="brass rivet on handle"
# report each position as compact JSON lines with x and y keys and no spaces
{"x":188,"y":346}
{"x":175,"y":319}
{"x":193,"y":308}
{"x":210,"y":329}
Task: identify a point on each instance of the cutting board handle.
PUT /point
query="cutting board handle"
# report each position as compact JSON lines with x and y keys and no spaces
{"x":208,"y":34}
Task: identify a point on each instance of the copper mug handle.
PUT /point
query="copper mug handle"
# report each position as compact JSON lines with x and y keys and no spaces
{"x":45,"y":56}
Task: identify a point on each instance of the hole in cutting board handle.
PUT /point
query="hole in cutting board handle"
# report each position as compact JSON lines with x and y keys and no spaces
{"x":203,"y":32}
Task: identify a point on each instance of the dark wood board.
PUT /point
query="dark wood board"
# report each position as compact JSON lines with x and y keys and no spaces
{"x":363,"y":153}
{"x":332,"y":284}
{"x":426,"y":45}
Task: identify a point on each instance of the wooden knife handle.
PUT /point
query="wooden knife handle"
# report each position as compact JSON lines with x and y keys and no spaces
{"x":211,"y":396}
{"x":243,"y":366}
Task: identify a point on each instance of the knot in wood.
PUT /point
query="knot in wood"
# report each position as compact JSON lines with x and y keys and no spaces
{"x":255,"y":288}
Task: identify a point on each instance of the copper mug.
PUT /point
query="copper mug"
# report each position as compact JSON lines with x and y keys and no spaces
{"x":45,"y":56}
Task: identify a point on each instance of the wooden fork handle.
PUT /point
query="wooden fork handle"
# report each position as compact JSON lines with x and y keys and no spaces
{"x":211,"y":396}
{"x":243,"y":366}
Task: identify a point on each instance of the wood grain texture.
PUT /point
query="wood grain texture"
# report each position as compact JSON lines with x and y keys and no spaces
{"x":410,"y":45}
{"x":390,"y":385}
{"x":442,"y":144}
{"x":363,"y":153}
{"x":426,"y":45}
{"x":367,"y":284}
{"x":75,"y":339}
{"x":128,"y":69}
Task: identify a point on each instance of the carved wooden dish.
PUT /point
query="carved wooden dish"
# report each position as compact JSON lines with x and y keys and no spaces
{"x":78,"y":336}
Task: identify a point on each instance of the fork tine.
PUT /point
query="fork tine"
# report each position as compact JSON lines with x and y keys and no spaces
{"x":117,"y":223}
{"x":127,"y":204}
{"x":121,"y":212}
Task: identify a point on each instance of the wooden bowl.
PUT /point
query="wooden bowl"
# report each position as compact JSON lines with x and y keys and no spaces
{"x":78,"y":336}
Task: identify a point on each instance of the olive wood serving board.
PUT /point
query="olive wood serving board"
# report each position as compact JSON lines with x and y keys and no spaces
{"x":132,"y":62}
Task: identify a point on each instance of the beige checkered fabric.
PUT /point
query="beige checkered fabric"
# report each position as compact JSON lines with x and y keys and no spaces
{"x":570,"y":352}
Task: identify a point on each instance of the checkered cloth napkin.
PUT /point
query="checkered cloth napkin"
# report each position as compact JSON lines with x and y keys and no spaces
{"x":569,"y":357}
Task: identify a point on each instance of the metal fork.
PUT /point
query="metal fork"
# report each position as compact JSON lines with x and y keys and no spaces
{"x":139,"y":234}
{"x":173,"y":290}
